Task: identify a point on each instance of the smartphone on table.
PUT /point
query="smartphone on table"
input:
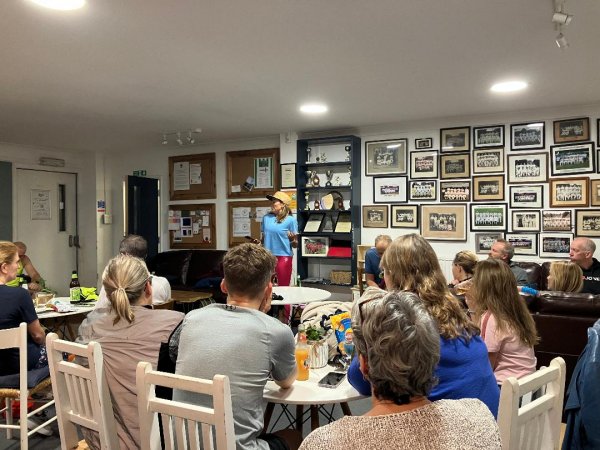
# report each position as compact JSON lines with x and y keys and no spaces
{"x":332,"y":379}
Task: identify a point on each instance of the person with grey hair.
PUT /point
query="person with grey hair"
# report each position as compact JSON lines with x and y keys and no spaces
{"x":398,"y":349}
{"x":372,"y":260}
{"x":582,"y":253}
{"x":504,"y":250}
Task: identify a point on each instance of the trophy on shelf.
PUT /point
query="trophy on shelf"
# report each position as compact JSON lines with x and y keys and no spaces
{"x":308,"y":150}
{"x":315,"y":179}
{"x":323,"y":157}
{"x":347,"y":148}
{"x":329,"y":175}
{"x":306,"y":195}
{"x":308,"y":174}
{"x":337,"y":181}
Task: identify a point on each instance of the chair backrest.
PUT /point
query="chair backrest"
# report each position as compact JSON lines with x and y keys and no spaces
{"x":17,"y":338}
{"x":81,"y":393}
{"x":180,"y":421}
{"x":534,"y":425}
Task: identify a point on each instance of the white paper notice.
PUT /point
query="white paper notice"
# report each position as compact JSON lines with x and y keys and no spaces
{"x":174,"y":224}
{"x":206,"y":234}
{"x":241,"y":227}
{"x":241,"y":213}
{"x":196,"y":173}
{"x":181,"y":176}
{"x":262,"y":211}
{"x":263,"y":172}
{"x":196,"y":228}
{"x":236,"y":188}
{"x":205,"y":221}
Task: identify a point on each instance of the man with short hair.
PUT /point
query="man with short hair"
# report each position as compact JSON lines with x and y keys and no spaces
{"x":239,"y":340}
{"x":372,"y":260}
{"x":503,"y":250}
{"x":582,"y":254}
{"x":26,"y":265}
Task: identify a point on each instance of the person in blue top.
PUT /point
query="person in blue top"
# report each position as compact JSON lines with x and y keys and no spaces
{"x":464,"y":370}
{"x":372,"y":260}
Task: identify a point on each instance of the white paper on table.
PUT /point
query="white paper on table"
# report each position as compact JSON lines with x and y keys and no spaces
{"x":262,"y":211}
{"x":241,"y":212}
{"x":206,"y":234}
{"x":196,"y":173}
{"x":181,"y":176}
{"x":241,"y":227}
{"x":236,"y":188}
{"x":196,"y":228}
{"x":205,"y":221}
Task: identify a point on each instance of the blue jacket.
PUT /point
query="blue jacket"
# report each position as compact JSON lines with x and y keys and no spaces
{"x":583,"y":401}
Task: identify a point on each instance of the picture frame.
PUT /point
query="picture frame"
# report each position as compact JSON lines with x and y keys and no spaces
{"x":572,"y":130}
{"x":531,"y":196}
{"x":569,"y":192}
{"x":287,"y":176}
{"x":484,"y":242}
{"x":525,"y":221}
{"x":390,"y":190}
{"x":456,"y":165}
{"x":595,"y":192}
{"x":424,"y":164}
{"x":488,"y":217}
{"x":444,"y":222}
{"x":375,"y":216}
{"x":386,"y":157}
{"x":405,"y":216}
{"x":528,"y":136}
{"x":555,"y":245}
{"x":523,"y":243}
{"x":423,"y":143}
{"x":315,"y":246}
{"x":422,"y":190}
{"x":455,"y":191}
{"x":488,"y":188}
{"x":587,"y":222}
{"x":457,"y":139}
{"x":313,"y":222}
{"x":527,"y":168}
{"x":488,"y":136}
{"x":488,"y":160}
{"x":557,"y":220}
{"x":571,"y":159}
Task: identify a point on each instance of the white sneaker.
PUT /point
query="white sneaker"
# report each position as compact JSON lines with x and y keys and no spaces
{"x":44,"y":431}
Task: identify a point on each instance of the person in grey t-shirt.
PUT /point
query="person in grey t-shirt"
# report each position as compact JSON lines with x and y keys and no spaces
{"x":503,"y":250}
{"x":241,"y":341}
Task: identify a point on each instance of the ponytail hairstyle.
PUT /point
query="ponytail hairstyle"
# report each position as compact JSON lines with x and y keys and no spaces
{"x":124,"y":280}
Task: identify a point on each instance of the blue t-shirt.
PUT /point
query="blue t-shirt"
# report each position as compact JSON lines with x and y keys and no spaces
{"x":372,"y":260}
{"x":464,"y":371}
{"x":275,"y":234}
{"x":17,"y":307}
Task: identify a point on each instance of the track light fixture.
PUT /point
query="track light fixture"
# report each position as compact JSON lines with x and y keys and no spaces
{"x":561,"y":41}
{"x":561,"y":19}
{"x":176,"y":137}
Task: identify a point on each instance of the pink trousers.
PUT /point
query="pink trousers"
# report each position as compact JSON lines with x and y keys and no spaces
{"x":283,"y":269}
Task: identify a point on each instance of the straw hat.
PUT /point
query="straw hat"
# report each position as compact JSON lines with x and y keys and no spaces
{"x":281,"y":196}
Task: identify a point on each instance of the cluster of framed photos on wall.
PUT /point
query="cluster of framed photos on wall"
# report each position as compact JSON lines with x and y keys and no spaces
{"x":472,"y":180}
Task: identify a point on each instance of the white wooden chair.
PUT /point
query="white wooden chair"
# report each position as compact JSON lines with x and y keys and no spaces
{"x":17,"y":338}
{"x":176,"y":415}
{"x":81,"y":393}
{"x":534,"y":425}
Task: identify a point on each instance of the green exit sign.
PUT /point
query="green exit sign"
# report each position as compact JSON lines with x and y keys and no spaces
{"x":139,"y":173}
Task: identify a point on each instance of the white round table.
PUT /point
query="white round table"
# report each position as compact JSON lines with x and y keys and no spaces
{"x":299,"y":295}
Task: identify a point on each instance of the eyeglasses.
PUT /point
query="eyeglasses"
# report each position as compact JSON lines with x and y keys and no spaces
{"x":149,"y":280}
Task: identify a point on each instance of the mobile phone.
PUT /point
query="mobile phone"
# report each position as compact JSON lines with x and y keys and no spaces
{"x":332,"y":379}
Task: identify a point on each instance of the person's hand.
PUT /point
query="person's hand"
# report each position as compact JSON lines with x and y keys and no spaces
{"x":293,"y":239}
{"x":34,"y":287}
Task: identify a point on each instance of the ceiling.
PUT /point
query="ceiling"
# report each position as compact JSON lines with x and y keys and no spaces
{"x":116,"y":74}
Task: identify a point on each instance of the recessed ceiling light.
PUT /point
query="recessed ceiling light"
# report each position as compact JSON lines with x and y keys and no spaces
{"x":509,"y":86}
{"x":63,"y":5}
{"x":313,"y":108}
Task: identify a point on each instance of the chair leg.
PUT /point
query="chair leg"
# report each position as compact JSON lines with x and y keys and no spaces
{"x":24,"y":423}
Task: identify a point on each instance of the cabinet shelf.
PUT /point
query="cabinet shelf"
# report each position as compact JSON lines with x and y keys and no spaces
{"x":331,"y":234}
{"x":315,"y":165}
{"x":324,"y":188}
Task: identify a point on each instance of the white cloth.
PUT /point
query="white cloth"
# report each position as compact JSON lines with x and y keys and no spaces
{"x":161,"y":293}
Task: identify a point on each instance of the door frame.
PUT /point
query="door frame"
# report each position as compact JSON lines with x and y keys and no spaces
{"x":125,"y":191}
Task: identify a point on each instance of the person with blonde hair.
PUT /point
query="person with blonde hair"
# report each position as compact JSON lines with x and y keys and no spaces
{"x":463,"y":267}
{"x":506,"y":325}
{"x":410,"y":264}
{"x":129,"y":331}
{"x":25,"y":265}
{"x":565,"y":276}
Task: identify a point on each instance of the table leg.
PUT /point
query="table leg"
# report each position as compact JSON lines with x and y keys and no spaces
{"x":268,"y":414}
{"x":314,"y":417}
{"x":346,"y":408}
{"x":299,"y":417}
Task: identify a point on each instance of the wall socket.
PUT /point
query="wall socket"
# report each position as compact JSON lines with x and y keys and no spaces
{"x":106,"y":219}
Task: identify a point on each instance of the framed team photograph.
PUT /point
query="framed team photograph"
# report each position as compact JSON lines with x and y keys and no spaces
{"x":527,"y":168}
{"x":315,"y":246}
{"x":423,"y":143}
{"x":422,"y":190}
{"x":523,"y":243}
{"x":595,"y":192}
{"x":572,"y":130}
{"x":444,"y":222}
{"x":455,"y":191}
{"x":488,"y":188}
{"x":526,"y":196}
{"x":424,"y":164}
{"x":484,"y":242}
{"x":557,"y":220}
{"x":555,"y":245}
{"x":375,"y":216}
{"x":527,"y":136}
{"x":386,"y":157}
{"x":488,"y":160}
{"x":488,"y":217}
{"x":587,"y":222}
{"x":490,"y":136}
{"x":405,"y":216}
{"x":573,"y":158}
{"x":455,"y":139}
{"x":390,"y":190}
{"x":525,"y":221}
{"x":569,"y":192}
{"x":455,"y":166}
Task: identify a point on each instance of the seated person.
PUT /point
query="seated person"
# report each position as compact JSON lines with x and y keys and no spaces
{"x":372,"y":260}
{"x":463,"y":266}
{"x":565,"y":276}
{"x":241,"y":341}
{"x":582,"y":254}
{"x":504,"y":251}
{"x":129,"y":331}
{"x":26,"y":265}
{"x":398,"y":349}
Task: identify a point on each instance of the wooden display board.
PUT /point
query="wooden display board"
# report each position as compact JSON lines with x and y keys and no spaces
{"x":252,"y":173}
{"x":198,"y":221}
{"x":192,"y":177}
{"x":245,"y":220}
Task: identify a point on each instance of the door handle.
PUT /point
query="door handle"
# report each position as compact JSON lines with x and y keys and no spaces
{"x":76,"y":241}
{"x":70,"y":240}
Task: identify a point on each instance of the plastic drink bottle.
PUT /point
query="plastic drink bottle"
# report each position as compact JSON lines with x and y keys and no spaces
{"x":302,"y":353}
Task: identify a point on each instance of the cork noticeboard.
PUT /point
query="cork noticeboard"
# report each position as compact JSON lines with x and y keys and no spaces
{"x":192,"y":177}
{"x":245,"y":219}
{"x":192,"y":226}
{"x":252,"y":173}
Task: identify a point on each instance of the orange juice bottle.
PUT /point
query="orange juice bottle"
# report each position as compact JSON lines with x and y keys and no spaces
{"x":302,"y":351}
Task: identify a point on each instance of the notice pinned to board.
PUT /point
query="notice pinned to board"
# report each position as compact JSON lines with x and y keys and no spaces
{"x":181,"y":176}
{"x":196,"y":173}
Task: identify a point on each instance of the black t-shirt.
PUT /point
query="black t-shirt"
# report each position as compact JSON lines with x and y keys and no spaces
{"x":16,"y":307}
{"x":591,"y":278}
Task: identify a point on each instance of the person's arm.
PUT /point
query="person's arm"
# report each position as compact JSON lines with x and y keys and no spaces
{"x":287,"y":383}
{"x":37,"y":333}
{"x":371,"y":280}
{"x":356,"y":378}
{"x":293,"y":239}
{"x":283,"y":358}
{"x":493,"y":357}
{"x":31,"y":271}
